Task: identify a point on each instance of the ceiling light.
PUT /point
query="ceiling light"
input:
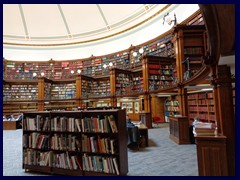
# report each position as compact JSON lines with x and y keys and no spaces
{"x":72,"y":71}
{"x":79,"y":71}
{"x":42,"y":73}
{"x":34,"y":74}
{"x":110,"y":64}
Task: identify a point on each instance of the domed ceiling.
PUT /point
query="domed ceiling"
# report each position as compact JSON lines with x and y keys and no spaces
{"x":71,"y":31}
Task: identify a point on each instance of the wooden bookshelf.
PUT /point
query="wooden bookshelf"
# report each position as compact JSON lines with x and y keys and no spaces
{"x":21,"y":89}
{"x":171,"y":107}
{"x":158,"y":72}
{"x":80,"y":143}
{"x":191,"y":44}
{"x":201,"y":105}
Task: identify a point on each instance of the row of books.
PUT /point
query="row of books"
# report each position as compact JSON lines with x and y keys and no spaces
{"x":37,"y":158}
{"x":100,"y":164}
{"x":103,"y":125}
{"x":66,"y":142}
{"x":39,"y":123}
{"x":199,"y":96}
{"x":97,"y":144}
{"x":160,"y":72}
{"x":36,"y":140}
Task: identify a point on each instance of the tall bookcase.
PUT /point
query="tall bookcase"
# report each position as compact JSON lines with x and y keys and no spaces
{"x":190,"y":43}
{"x":84,"y":143}
{"x":158,"y":72}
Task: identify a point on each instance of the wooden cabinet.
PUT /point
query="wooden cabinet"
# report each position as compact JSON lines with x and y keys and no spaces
{"x":88,"y":143}
{"x":212,"y":155}
{"x":9,"y":125}
{"x":179,"y":129}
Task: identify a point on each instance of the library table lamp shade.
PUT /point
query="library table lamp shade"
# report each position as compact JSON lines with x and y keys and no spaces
{"x":34,"y":74}
{"x":104,"y":66}
{"x":110,"y":64}
{"x":134,"y":54}
{"x":140,"y":50}
{"x":79,"y":71}
{"x":42,"y":73}
{"x":72,"y":71}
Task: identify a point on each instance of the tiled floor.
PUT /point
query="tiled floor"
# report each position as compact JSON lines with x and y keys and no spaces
{"x":163,"y":157}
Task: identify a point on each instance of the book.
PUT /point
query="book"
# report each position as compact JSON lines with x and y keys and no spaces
{"x":204,"y":131}
{"x":112,"y":123}
{"x":203,"y":125}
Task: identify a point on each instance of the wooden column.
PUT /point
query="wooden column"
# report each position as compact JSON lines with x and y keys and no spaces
{"x":78,"y":91}
{"x":179,"y":51}
{"x":183,"y":101}
{"x":112,"y":82}
{"x":225,"y":112}
{"x":40,"y":94}
{"x":113,"y":99}
{"x":147,"y":102}
{"x":145,"y":74}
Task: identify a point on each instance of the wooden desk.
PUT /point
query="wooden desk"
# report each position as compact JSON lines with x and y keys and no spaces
{"x":143,"y":130}
{"x":179,"y":129}
{"x":9,"y":125}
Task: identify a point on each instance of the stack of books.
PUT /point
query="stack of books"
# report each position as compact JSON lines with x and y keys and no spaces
{"x":204,"y":129}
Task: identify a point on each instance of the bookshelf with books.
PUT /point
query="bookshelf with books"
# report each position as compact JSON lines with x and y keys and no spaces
{"x":136,"y":81}
{"x":80,"y":143}
{"x":201,"y":105}
{"x":191,"y":44}
{"x":121,"y":82}
{"x":13,"y":70}
{"x":100,"y":87}
{"x":171,"y":108}
{"x":85,"y":86}
{"x":63,"y":89}
{"x":19,"y":96}
{"x":22,"y":90}
{"x":159,"y":72}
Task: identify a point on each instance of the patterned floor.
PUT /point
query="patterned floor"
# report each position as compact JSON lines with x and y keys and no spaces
{"x":163,"y":157}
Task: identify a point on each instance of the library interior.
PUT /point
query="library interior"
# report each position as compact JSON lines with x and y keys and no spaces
{"x":119,"y":89}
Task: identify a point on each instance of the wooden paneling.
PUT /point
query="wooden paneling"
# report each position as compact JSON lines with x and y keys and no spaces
{"x":179,"y":129}
{"x":212,"y":155}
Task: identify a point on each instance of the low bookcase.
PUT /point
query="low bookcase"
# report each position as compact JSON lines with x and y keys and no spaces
{"x":78,"y":143}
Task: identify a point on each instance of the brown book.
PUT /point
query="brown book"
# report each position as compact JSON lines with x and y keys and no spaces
{"x":112,"y":123}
